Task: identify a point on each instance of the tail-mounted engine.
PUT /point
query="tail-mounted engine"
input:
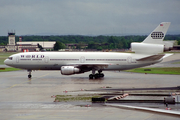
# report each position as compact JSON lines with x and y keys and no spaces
{"x":148,"y":48}
{"x":69,"y":70}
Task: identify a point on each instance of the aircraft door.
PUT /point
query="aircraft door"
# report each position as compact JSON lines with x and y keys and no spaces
{"x":82,"y":59}
{"x":129,"y":59}
{"x":17,"y":59}
{"x":46,"y":59}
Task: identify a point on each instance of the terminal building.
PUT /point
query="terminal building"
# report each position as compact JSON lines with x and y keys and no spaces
{"x":24,"y":46}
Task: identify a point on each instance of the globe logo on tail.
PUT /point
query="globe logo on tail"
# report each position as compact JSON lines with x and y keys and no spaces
{"x":157,"y":35}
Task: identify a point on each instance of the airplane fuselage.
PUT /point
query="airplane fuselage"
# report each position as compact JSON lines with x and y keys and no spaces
{"x":55,"y":60}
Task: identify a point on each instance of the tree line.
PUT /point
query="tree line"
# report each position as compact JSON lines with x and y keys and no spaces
{"x":93,"y":42}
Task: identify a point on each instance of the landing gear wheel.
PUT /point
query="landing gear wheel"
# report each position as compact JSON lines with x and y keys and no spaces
{"x":96,"y":76}
{"x":29,"y":76}
{"x":101,"y":75}
{"x":91,"y":76}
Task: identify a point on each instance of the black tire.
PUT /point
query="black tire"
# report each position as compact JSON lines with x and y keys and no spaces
{"x":29,"y":76}
{"x":97,"y":76}
{"x":90,"y":76}
{"x":101,"y":75}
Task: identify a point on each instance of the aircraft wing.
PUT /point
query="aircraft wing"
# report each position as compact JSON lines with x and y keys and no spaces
{"x":151,"y":58}
{"x":90,"y":66}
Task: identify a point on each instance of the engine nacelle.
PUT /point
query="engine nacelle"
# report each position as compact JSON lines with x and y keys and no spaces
{"x":69,"y":70}
{"x":168,"y":48}
{"x":147,"y":48}
{"x":168,"y":45}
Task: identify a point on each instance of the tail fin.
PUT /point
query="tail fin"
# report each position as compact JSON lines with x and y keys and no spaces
{"x":153,"y":44}
{"x":157,"y":35}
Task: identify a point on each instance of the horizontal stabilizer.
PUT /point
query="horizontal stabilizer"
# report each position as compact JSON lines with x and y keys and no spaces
{"x":151,"y":58}
{"x":167,"y":55}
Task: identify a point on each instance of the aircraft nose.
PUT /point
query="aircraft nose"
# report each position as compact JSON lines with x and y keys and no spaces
{"x":7,"y":62}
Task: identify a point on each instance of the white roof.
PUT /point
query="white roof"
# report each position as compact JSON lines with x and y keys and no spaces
{"x":45,"y":44}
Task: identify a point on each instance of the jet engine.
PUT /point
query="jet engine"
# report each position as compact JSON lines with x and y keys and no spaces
{"x":69,"y":70}
{"x":149,"y":48}
{"x":168,"y":46}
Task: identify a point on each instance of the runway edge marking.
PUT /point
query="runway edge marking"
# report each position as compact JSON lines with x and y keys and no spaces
{"x":144,"y":108}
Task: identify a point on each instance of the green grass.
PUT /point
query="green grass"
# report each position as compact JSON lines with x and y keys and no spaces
{"x":176,"y":63}
{"x":66,"y":98}
{"x":8,"y":69}
{"x":4,"y":55}
{"x":169,"y":70}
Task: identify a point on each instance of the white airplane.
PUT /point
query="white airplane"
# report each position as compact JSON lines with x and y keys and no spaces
{"x":146,"y":53}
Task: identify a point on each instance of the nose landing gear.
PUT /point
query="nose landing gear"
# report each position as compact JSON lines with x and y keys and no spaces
{"x":29,"y":76}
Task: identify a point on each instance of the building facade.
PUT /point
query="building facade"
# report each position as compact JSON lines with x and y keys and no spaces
{"x":20,"y":46}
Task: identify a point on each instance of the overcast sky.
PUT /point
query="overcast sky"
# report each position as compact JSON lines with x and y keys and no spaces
{"x":87,"y":17}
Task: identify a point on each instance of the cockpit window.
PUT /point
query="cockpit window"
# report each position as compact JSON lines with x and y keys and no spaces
{"x":10,"y":58}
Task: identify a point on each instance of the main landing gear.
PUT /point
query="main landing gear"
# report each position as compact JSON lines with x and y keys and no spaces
{"x":29,"y":76}
{"x":97,"y":75}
